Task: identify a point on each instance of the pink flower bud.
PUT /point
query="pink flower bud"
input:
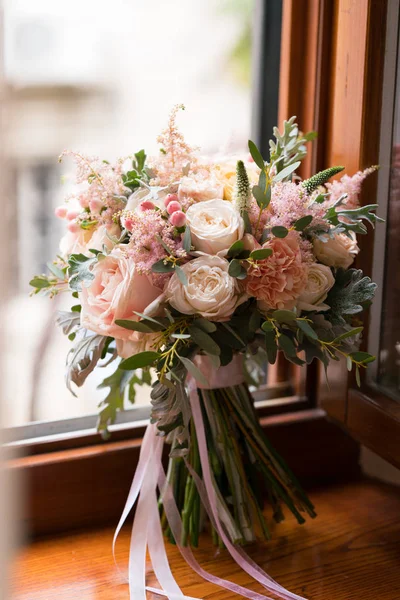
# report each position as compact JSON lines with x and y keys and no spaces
{"x":178,"y":218}
{"x":73,"y":227}
{"x":173,"y":207}
{"x":61,"y":212}
{"x":147,"y":205}
{"x":170,"y":198}
{"x":95,"y":205}
{"x":83,"y":201}
{"x":72,"y":214}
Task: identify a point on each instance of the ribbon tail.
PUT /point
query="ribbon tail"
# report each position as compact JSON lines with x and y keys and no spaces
{"x":175,"y":523}
{"x":239,"y":556}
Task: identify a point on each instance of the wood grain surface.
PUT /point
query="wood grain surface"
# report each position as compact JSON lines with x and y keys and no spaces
{"x":350,"y":552}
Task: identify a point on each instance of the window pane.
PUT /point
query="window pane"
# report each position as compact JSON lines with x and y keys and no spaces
{"x":100,"y":78}
{"x":389,"y":351}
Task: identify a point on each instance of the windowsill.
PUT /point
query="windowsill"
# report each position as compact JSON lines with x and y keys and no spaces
{"x":334,"y":556}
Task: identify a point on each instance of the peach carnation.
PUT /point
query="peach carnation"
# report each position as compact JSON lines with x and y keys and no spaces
{"x":278,"y":280}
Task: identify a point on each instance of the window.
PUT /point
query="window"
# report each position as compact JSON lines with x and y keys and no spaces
{"x":386,"y":317}
{"x":105,"y":85}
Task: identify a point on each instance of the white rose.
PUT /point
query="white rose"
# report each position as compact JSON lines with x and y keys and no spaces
{"x":200,"y":189}
{"x":319,"y":282}
{"x":338,"y":251}
{"x":215,"y":225}
{"x":210,"y":291}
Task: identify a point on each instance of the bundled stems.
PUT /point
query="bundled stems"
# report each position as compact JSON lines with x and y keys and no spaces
{"x":246,"y":470}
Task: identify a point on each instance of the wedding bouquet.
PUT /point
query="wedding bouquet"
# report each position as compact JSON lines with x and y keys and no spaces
{"x":187,"y":271}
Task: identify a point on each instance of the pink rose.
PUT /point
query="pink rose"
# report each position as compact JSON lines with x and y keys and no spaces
{"x":277,"y":281}
{"x":116,"y":292}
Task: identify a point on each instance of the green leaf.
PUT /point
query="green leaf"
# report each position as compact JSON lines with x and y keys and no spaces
{"x":76,"y":308}
{"x":362,"y":357}
{"x":187,"y":239}
{"x":286,"y":344}
{"x":261,"y":253}
{"x":56,"y":271}
{"x":279,"y":231}
{"x":254,"y":321}
{"x":205,"y":325}
{"x":348,"y":334}
{"x":235,"y":249}
{"x":307,"y":329}
{"x":247,"y":224}
{"x":148,"y":318}
{"x":193,"y":370}
{"x":267,"y":326}
{"x":139,"y":361}
{"x":83,"y":358}
{"x":140,"y":160}
{"x":358,"y":379}
{"x":204,"y":341}
{"x":270,"y":346}
{"x":161,"y":267}
{"x":284,"y":316}
{"x":181,"y":275}
{"x":263,"y":199}
{"x":40,"y":282}
{"x":79,"y":271}
{"x":286,"y":172}
{"x":236,"y":269}
{"x":256,"y":155}
{"x":133,"y":325}
{"x":302,"y":223}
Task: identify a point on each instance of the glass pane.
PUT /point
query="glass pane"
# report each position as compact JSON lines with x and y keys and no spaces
{"x":389,"y":351}
{"x":100,"y":78}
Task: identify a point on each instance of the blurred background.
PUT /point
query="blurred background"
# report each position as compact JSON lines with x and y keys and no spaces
{"x":100,"y":78}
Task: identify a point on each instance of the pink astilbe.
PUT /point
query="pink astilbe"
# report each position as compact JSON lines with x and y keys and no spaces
{"x":348,"y":185}
{"x":149,"y":231}
{"x":288,"y":204}
{"x":175,"y":153}
{"x":104,"y":193}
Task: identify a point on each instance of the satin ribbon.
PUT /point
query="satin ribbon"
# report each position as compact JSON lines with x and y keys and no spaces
{"x":147,"y":531}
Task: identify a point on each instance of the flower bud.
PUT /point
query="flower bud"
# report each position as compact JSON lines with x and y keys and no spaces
{"x":73,"y":227}
{"x":61,"y":212}
{"x":178,"y":218}
{"x":170,"y":198}
{"x":72,"y":214}
{"x":173,"y":207}
{"x":147,"y":205}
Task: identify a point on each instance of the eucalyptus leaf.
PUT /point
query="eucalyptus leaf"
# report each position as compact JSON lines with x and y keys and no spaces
{"x":286,"y":172}
{"x":204,"y":341}
{"x":133,"y":325}
{"x":271,"y":346}
{"x":161,"y":267}
{"x":236,"y":248}
{"x":267,"y":326}
{"x":205,"y":325}
{"x":193,"y":370}
{"x":181,"y":275}
{"x":284,"y":316}
{"x":262,"y":198}
{"x":286,"y":344}
{"x":139,"y":361}
{"x":256,"y":155}
{"x":302,"y":223}
{"x":187,"y":239}
{"x":236,"y":269}
{"x":307,"y":329}
{"x":261,"y":254}
{"x":279,"y":231}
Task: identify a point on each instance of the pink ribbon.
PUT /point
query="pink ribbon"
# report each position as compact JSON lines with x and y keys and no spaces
{"x":147,"y":531}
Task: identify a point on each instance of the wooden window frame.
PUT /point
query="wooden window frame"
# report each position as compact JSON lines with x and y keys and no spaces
{"x":76,"y":481}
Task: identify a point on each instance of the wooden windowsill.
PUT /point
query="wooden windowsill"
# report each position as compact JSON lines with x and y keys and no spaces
{"x":351,"y":551}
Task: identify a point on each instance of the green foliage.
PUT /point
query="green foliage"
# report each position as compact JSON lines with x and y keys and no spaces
{"x":68,"y":321}
{"x":80,"y":270}
{"x":349,"y":296}
{"x":117,"y":384}
{"x":83,"y":357}
{"x":263,"y":198}
{"x":320,"y":178}
{"x":132,"y":179}
{"x":236,"y":269}
{"x":301,"y":224}
{"x":290,"y":145}
{"x":352,"y":219}
{"x":279,"y":231}
{"x":140,"y":360}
